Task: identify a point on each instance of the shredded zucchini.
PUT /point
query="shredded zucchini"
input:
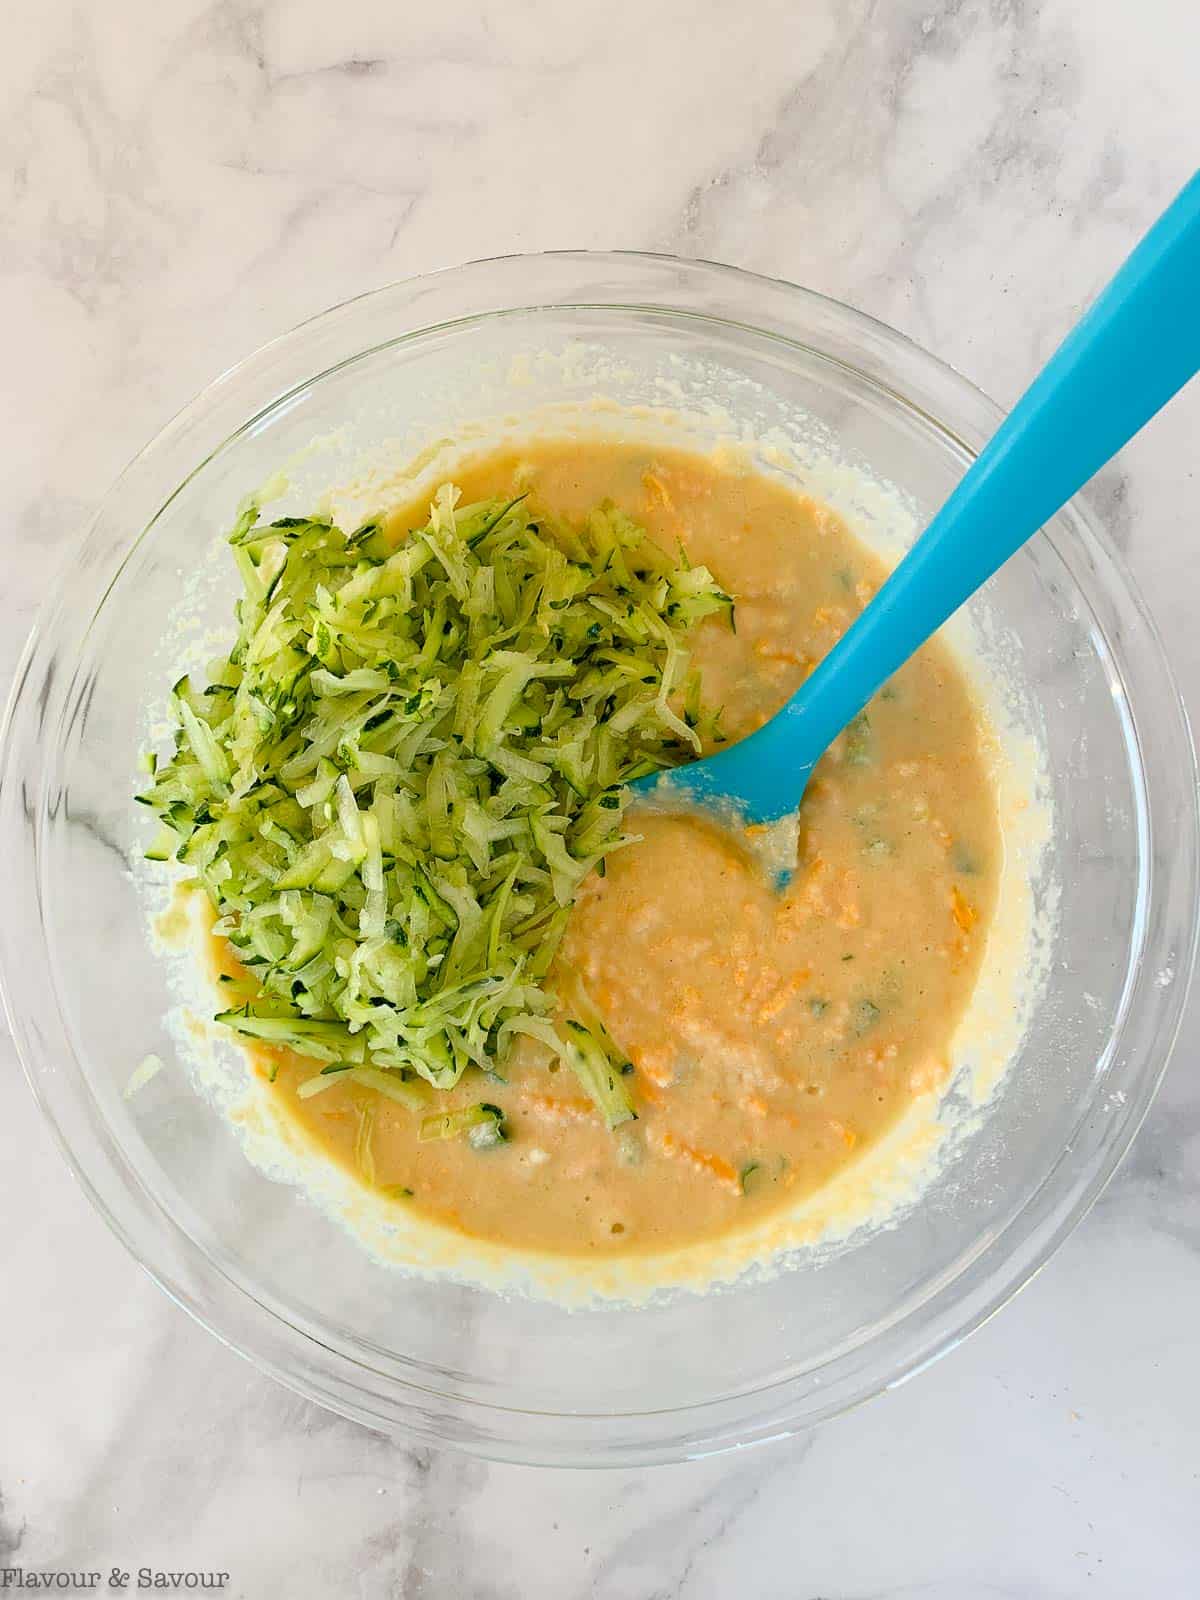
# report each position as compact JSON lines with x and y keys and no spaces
{"x":394,"y":784}
{"x":483,"y":1125}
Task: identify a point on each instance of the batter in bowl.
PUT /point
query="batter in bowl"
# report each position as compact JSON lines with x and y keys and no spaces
{"x":771,"y":1038}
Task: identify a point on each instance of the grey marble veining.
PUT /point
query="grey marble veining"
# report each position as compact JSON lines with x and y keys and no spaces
{"x":180,"y":182}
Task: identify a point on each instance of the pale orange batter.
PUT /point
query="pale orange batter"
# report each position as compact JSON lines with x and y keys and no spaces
{"x":773,"y":1037}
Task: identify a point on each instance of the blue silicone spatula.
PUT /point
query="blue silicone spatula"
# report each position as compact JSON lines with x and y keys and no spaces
{"x":1138,"y":344}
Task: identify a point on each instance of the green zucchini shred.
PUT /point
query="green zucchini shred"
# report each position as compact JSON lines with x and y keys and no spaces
{"x":395,"y":783}
{"x":483,"y":1125}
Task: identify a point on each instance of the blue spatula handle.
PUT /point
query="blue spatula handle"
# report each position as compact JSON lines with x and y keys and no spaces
{"x":1137,"y":345}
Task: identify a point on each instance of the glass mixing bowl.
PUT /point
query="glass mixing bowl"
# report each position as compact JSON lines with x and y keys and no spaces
{"x":519,"y":1378}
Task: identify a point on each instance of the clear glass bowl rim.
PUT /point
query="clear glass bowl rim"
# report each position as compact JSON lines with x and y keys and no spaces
{"x":909,"y":377}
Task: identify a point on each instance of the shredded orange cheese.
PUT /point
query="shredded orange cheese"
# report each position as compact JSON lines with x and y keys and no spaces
{"x":556,"y":1109}
{"x":965,"y":913}
{"x":657,"y":488}
{"x":783,"y":653}
{"x":699,"y":1160}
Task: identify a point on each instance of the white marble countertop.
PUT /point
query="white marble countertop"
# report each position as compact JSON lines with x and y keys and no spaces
{"x":183,"y":181}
